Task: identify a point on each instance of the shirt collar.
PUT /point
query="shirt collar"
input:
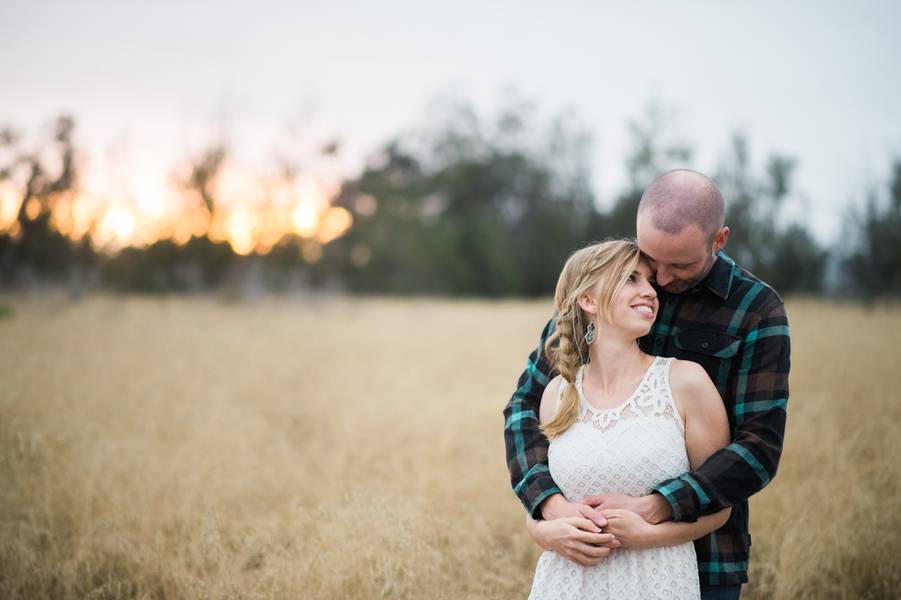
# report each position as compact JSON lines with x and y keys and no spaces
{"x":719,"y":279}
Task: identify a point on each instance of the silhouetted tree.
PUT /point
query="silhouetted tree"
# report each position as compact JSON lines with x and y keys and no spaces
{"x":781,"y":253}
{"x":35,"y":248}
{"x":202,"y":174}
{"x":872,"y":269}
{"x":463,"y":205}
{"x":654,"y":149}
{"x":164,"y":266}
{"x":471,"y":208}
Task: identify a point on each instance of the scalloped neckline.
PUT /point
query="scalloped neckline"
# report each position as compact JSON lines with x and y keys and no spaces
{"x":619,"y":406}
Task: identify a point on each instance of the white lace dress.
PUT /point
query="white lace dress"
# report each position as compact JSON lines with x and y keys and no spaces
{"x":627,"y":450}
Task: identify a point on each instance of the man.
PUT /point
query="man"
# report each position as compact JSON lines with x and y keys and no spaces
{"x":714,"y":313}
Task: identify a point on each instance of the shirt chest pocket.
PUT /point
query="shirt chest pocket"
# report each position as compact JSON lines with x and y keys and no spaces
{"x":710,"y":349}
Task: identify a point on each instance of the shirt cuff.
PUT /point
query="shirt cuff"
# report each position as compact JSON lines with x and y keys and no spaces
{"x":677,"y":495}
{"x":535,"y":487}
{"x":534,"y":507}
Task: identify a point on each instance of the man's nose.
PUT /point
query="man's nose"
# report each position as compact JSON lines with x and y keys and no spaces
{"x":663,"y":277}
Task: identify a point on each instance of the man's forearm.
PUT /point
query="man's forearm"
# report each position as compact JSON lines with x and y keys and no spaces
{"x":526,"y":445}
{"x":730,"y":476}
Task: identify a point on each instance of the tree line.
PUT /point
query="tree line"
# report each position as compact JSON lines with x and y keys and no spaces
{"x":464,"y":205}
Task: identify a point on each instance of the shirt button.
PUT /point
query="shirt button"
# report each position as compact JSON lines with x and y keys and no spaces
{"x":705,"y":345}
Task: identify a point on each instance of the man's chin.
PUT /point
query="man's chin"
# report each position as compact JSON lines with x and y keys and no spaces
{"x":676,"y":288}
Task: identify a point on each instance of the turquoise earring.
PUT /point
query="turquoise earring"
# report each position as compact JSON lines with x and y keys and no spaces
{"x":589,"y":333}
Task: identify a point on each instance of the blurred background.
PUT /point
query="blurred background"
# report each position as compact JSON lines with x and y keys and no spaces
{"x":241,"y":242}
{"x":441,"y":150}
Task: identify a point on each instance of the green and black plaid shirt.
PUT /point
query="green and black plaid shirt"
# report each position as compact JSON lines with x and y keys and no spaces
{"x":735,"y":326}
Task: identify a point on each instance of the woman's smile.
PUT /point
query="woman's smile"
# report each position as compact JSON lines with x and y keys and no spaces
{"x":646,"y":310}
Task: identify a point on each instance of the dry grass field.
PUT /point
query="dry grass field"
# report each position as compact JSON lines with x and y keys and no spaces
{"x":345,"y":448}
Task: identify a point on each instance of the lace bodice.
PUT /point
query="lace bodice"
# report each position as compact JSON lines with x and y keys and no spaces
{"x":652,"y":397}
{"x":628,"y":449}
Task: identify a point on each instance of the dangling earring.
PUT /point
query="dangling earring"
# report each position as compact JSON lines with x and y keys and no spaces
{"x":589,"y":333}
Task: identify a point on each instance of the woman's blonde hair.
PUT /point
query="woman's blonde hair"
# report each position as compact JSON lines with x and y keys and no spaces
{"x":610,"y":262}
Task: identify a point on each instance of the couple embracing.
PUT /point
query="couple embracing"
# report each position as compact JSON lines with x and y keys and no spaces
{"x":653,"y":407}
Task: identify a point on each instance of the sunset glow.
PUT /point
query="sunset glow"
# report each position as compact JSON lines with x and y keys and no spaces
{"x":251,"y":213}
{"x":116,"y":228}
{"x":305,"y":219}
{"x":9,"y":205}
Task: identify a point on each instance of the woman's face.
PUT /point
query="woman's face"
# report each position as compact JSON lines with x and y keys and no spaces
{"x":635,"y":308}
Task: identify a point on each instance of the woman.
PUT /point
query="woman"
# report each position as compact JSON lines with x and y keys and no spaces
{"x":621,"y":421}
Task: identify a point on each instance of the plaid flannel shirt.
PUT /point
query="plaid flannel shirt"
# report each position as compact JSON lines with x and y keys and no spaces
{"x":733,"y":325}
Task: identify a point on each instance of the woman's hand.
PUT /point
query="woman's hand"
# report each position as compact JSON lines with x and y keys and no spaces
{"x":575,"y":538}
{"x":629,"y":528}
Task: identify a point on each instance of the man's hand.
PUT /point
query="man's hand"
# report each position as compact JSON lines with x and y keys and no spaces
{"x":653,"y":508}
{"x":558,"y":507}
{"x":576,"y":538}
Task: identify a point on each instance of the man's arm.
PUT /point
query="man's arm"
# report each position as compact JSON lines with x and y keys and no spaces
{"x":526,"y":444}
{"x":749,"y":463}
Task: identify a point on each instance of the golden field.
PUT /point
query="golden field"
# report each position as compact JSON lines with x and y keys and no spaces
{"x":353,"y":448}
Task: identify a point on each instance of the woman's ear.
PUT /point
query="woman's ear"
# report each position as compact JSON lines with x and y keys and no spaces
{"x":588,"y":303}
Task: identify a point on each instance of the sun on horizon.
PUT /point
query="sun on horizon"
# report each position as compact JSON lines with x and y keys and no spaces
{"x":251,"y":211}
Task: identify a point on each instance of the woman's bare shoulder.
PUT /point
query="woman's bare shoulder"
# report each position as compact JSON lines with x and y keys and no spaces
{"x":691,"y":384}
{"x":549,"y":399}
{"x":688,"y":376}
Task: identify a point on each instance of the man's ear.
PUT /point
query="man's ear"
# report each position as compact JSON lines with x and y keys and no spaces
{"x":720,"y":239}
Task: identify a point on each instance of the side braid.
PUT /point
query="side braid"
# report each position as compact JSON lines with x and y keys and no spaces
{"x":563,"y":349}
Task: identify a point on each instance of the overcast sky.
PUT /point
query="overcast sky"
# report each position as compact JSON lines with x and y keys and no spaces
{"x":149,"y":81}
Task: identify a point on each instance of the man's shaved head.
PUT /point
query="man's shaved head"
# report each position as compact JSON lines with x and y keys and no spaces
{"x":682,"y":198}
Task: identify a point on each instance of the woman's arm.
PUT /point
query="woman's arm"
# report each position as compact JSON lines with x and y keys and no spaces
{"x":706,"y":431}
{"x":632,"y":531}
{"x":704,"y":414}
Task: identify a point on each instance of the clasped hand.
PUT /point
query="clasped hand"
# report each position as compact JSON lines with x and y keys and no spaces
{"x":584,"y":534}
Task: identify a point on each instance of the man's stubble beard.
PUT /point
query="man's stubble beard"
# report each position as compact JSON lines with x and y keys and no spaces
{"x":684,"y":286}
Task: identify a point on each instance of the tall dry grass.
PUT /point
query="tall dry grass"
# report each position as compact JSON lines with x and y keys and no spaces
{"x":353,"y":448}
